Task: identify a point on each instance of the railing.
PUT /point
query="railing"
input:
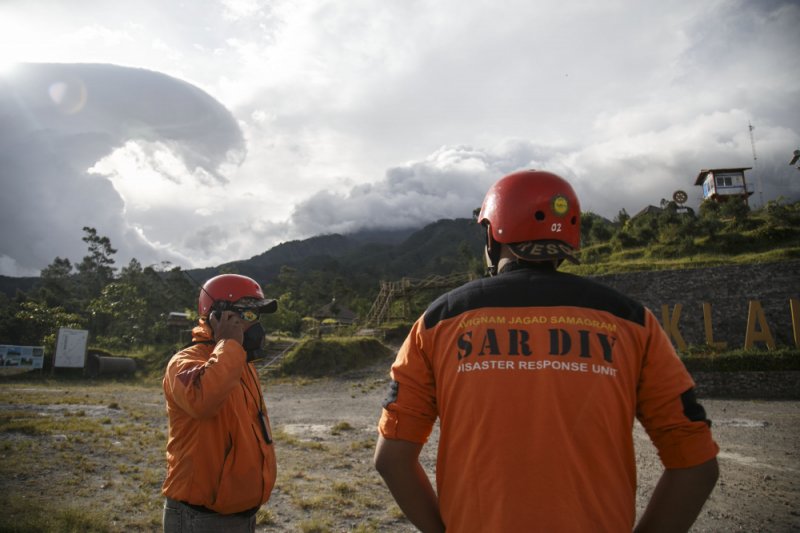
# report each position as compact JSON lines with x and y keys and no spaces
{"x":391,"y":290}
{"x":276,"y":351}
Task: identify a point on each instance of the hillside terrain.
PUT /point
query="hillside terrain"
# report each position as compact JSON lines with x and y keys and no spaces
{"x":325,"y":275}
{"x":85,"y":449}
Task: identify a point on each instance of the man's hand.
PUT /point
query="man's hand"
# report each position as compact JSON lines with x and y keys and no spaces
{"x":229,"y":326}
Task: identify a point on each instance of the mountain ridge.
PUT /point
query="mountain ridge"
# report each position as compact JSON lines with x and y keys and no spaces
{"x":395,"y":250}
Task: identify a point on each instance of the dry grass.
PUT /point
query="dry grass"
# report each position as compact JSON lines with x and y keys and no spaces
{"x":92,"y":455}
{"x":83,"y":457}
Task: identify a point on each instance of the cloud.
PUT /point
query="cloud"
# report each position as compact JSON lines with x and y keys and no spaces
{"x":630,"y":100}
{"x":450,"y":183}
{"x":58,"y":121}
{"x":297,"y":118}
{"x":625,"y":172}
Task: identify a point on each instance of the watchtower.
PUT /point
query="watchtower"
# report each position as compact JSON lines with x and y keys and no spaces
{"x":723,"y":184}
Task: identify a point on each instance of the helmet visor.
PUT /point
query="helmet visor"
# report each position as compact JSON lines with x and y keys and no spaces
{"x":259,"y":305}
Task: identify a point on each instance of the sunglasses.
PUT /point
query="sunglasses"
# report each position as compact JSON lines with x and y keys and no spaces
{"x":247,"y":314}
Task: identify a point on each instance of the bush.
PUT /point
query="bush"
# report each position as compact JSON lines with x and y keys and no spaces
{"x":773,"y":234}
{"x":784,"y":359}
{"x":596,"y":254}
{"x":680,"y":247}
{"x":331,"y":356}
{"x":623,"y":240}
{"x":730,"y":243}
{"x":396,"y":332}
{"x":779,"y":214}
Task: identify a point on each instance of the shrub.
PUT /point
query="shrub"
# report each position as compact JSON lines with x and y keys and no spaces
{"x":623,"y":240}
{"x":680,"y":246}
{"x":331,"y":356}
{"x":705,"y":360}
{"x":595,"y":254}
{"x":730,"y":243}
{"x":773,"y":234}
{"x":396,"y":332}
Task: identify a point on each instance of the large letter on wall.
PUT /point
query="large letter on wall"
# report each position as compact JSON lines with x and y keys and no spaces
{"x":794,"y":306}
{"x":756,"y":313}
{"x":721,"y":345}
{"x":670,"y":325}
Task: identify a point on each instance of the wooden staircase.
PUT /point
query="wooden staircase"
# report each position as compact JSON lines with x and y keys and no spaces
{"x":381,"y":308}
{"x":275,"y":350}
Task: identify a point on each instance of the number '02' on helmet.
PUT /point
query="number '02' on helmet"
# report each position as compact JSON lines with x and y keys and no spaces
{"x":228,"y":289}
{"x":536,"y":213}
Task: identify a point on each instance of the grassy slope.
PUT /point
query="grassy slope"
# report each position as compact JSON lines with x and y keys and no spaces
{"x":754,"y":248}
{"x":634,"y":260}
{"x":759,"y":239}
{"x":332,"y":355}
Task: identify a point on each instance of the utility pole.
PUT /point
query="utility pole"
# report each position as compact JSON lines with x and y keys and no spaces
{"x":758,"y":174}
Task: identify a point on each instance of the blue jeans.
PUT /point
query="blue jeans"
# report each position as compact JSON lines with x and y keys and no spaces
{"x":182,"y":518}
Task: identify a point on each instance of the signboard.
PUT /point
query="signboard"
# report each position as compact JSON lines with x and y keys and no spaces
{"x":71,"y":348}
{"x":27,"y":357}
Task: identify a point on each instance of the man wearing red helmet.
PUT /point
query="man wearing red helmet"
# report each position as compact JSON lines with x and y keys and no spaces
{"x":536,"y":377}
{"x":220,"y":457}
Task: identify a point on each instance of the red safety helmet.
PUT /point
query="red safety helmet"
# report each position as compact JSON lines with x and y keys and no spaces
{"x":536,"y":213}
{"x":227,"y":289}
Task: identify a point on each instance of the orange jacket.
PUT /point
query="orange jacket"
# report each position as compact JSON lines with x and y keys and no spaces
{"x":217,"y":454}
{"x":536,"y":378}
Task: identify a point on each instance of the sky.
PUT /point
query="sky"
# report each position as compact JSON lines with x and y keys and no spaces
{"x":201,"y":132}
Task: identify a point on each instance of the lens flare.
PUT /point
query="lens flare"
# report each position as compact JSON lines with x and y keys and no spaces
{"x":68,"y":96}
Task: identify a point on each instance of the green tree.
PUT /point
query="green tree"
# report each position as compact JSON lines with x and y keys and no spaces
{"x":96,"y":270}
{"x":58,"y":269}
{"x":8,"y":326}
{"x":120,"y":315}
{"x":777,"y":213}
{"x":595,"y":229}
{"x":57,"y":285}
{"x":635,"y":232}
{"x":285,"y":319}
{"x":735,"y":213}
{"x":37,"y":323}
{"x":709,"y":222}
{"x":179,"y":292}
{"x":133,"y":309}
{"x":674,"y":225}
{"x":472,"y":263}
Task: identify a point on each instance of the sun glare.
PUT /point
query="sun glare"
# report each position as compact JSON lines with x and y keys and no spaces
{"x":7,"y":66}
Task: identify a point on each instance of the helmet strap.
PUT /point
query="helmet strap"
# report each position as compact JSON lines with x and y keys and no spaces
{"x":492,"y":253}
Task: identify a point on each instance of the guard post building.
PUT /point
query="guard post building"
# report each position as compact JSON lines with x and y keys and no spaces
{"x":723,"y":184}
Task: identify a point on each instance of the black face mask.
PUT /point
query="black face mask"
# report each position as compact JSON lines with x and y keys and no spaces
{"x":253,"y":340}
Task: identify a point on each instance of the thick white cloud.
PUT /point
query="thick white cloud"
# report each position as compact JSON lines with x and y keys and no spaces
{"x":100,"y":146}
{"x":337,"y":115}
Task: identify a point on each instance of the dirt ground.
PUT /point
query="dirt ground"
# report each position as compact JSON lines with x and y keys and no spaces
{"x":325,"y":434}
{"x":758,"y":489}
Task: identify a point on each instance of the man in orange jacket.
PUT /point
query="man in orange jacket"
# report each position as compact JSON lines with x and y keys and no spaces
{"x":535,"y":377}
{"x":220,"y":457}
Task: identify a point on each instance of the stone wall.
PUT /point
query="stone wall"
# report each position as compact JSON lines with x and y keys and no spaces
{"x":748,"y":385}
{"x":728,"y":289}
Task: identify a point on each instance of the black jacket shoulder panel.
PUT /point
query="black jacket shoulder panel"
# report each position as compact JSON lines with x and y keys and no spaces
{"x":533,"y":288}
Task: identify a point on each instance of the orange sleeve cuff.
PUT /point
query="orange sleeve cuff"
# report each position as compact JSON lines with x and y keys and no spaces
{"x":407,"y":427}
{"x":686,"y":447}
